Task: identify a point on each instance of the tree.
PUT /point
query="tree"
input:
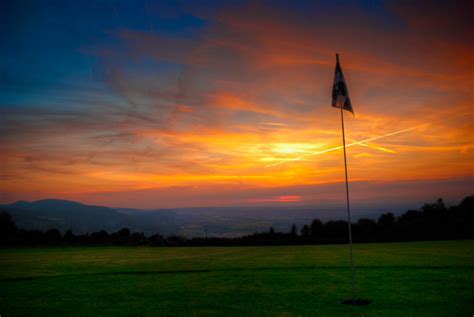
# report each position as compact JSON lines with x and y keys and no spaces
{"x":365,"y":229}
{"x":463,"y":219}
{"x":122,"y":236}
{"x":305,"y":231}
{"x":7,"y":227}
{"x":137,"y":238}
{"x":69,"y":237}
{"x":52,"y":236}
{"x":467,"y":202}
{"x":124,"y":232}
{"x":272,"y":231}
{"x":437,"y":207}
{"x":156,"y":239}
{"x":411,"y":217}
{"x":294,"y":230}
{"x":316,"y":228}
{"x":100,"y":237}
{"x":386,"y":221}
{"x":434,"y":218}
{"x":335,"y":231}
{"x":386,"y":227}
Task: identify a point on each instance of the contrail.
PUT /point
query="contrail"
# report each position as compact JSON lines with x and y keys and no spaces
{"x":378,"y":148}
{"x":363,"y":143}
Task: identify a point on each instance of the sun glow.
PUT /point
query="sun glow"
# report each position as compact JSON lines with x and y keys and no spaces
{"x":241,"y":103}
{"x":292,"y":148}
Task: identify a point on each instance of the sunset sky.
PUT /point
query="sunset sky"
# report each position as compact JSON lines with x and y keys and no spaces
{"x":222,"y":103}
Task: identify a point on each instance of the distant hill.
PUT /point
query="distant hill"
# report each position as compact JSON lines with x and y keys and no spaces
{"x":192,"y":222}
{"x":81,"y":218}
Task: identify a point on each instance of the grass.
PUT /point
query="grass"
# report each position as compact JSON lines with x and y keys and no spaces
{"x":402,"y":279}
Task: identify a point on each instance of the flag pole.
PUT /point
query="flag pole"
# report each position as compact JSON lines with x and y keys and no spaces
{"x":348,"y":206}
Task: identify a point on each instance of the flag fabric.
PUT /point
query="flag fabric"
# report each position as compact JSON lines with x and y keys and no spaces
{"x":340,"y":94}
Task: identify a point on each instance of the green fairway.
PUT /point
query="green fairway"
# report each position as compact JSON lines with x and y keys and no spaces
{"x":402,"y":279}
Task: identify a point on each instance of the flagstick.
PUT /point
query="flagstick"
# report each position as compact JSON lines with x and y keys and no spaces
{"x":348,"y":206}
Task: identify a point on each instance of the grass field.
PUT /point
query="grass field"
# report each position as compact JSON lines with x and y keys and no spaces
{"x":402,"y":279}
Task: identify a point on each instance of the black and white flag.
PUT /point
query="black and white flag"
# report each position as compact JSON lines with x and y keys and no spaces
{"x":340,"y":94}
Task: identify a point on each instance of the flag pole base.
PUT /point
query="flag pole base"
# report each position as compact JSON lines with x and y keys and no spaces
{"x":356,"y":302}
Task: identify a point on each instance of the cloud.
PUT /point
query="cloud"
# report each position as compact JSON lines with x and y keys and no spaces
{"x":250,"y":90}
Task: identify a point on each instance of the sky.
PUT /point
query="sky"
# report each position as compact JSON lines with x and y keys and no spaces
{"x":168,"y":104}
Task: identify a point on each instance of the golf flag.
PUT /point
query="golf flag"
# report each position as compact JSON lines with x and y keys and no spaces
{"x":341,"y":100}
{"x":340,"y":94}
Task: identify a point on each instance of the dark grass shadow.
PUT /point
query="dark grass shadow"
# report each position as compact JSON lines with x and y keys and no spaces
{"x":200,"y":271}
{"x":356,"y":302}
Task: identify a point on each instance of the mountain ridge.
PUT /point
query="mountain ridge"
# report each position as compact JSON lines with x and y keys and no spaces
{"x":81,"y":218}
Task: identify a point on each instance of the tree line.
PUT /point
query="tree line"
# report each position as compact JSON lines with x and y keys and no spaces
{"x":433,"y":221}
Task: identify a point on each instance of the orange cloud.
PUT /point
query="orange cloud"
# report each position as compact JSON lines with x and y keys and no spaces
{"x":279,"y":199}
{"x":248,"y":109}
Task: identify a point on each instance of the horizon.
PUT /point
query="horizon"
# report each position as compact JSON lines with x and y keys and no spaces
{"x":375,"y":210}
{"x":228,"y":104}
{"x":220,"y":222}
